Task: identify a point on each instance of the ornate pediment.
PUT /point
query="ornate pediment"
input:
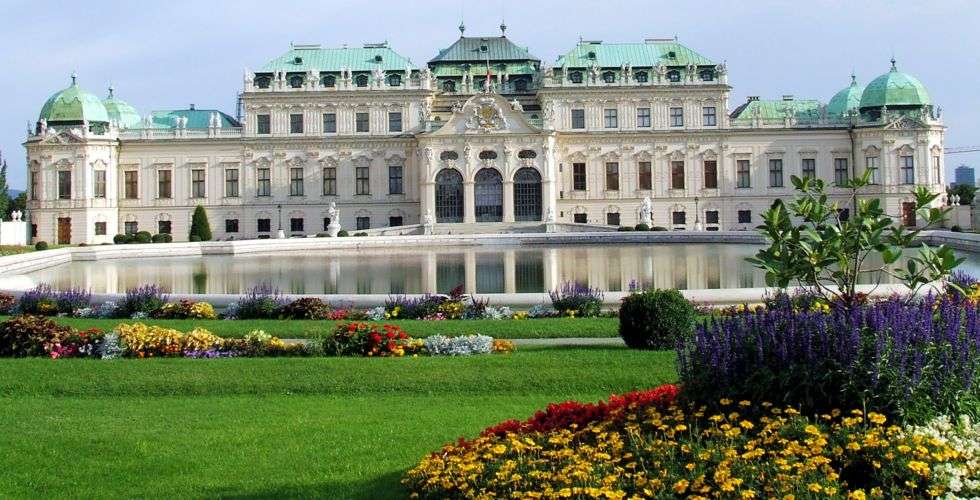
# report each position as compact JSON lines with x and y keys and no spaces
{"x":905,"y":150}
{"x":297,"y":161}
{"x":643,"y":155}
{"x":62,"y":163}
{"x":329,"y":161}
{"x":676,"y":155}
{"x":486,"y":113}
{"x":71,"y":136}
{"x":709,"y":154}
{"x":872,"y":150}
{"x":905,"y":123}
{"x":262,"y":162}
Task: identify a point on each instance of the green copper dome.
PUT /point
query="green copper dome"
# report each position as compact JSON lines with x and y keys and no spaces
{"x":846,"y":100}
{"x":895,"y":89}
{"x":73,"y":105}
{"x":121,"y":112}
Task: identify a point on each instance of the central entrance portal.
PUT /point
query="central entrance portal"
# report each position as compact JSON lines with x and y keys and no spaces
{"x":489,"y":196}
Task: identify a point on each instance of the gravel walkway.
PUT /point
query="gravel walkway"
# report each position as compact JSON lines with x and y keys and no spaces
{"x":574,"y":341}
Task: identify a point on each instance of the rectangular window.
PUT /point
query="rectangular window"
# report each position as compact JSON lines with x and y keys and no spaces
{"x":646,"y":175}
{"x":263,"y":185}
{"x":131,"y":227}
{"x":744,"y":216}
{"x":361,"y":123}
{"x":676,"y":117}
{"x":711,"y":216}
{"x":264,"y":124}
{"x":580,"y":218}
{"x":330,"y":123}
{"x":871,"y":164}
{"x":329,"y":181}
{"x":296,"y":224}
{"x":163,"y":227}
{"x":395,"y":221}
{"x":710,"y":174}
{"x":64,"y":185}
{"x":840,"y":171}
{"x":100,"y":228}
{"x":908,"y":169}
{"x":197,"y":183}
{"x":231,"y":182}
{"x":394,"y":121}
{"x":743,"y":178}
{"x":34,"y":180}
{"x":296,"y":181}
{"x":775,"y":173}
{"x":612,"y":219}
{"x":677,"y":175}
{"x":610,"y":118}
{"x":809,"y":168}
{"x":100,"y":183}
{"x":231,"y":225}
{"x":363,"y":223}
{"x":164,"y":184}
{"x":679,"y":218}
{"x":612,"y":176}
{"x":395,"y":184}
{"x":709,"y":116}
{"x":130,"y":184}
{"x":296,"y":123}
{"x":264,"y":225}
{"x":578,"y":119}
{"x":643,"y":117}
{"x":937,"y":172}
{"x":363,"y":180}
{"x":578,"y":176}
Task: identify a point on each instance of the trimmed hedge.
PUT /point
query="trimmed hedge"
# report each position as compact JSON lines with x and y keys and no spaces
{"x":655,"y":319}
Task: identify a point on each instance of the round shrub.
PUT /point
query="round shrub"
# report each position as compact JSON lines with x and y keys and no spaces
{"x":642,"y":227}
{"x":658,"y":228}
{"x":41,"y":245}
{"x":195,"y":238}
{"x":342,"y":233}
{"x":624,"y":229}
{"x":305,"y":308}
{"x":360,"y":234}
{"x":956,"y":229}
{"x":27,"y":336}
{"x":143,"y":237}
{"x":655,"y":319}
{"x":122,"y":239}
{"x":322,"y":235}
{"x":162,"y":238}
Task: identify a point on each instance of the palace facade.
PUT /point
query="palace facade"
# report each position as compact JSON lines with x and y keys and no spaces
{"x":482,"y":137}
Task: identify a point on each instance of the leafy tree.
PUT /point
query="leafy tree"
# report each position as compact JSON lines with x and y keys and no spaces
{"x":199,"y":225}
{"x":965,"y":191}
{"x":18,"y":203}
{"x":813,"y":245}
{"x":4,"y":188}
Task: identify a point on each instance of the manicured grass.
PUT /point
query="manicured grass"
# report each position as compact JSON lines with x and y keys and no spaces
{"x":295,"y":329}
{"x":296,"y":427}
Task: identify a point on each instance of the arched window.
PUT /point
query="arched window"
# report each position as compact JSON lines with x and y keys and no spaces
{"x":449,"y":196}
{"x":361,"y":81}
{"x":395,"y":80}
{"x":609,"y":77}
{"x":449,"y":86}
{"x":527,"y":195}
{"x":575,"y":76}
{"x":263,"y":82}
{"x":641,"y":76}
{"x":448,"y":155}
{"x":520,"y":85}
{"x":488,"y":155}
{"x":527,"y":154}
{"x":489,"y":192}
{"x":707,"y":75}
{"x":296,"y":81}
{"x":674,"y":75}
{"x":328,"y":81}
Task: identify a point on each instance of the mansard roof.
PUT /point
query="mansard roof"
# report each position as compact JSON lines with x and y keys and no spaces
{"x":777,"y":109}
{"x":647,"y":54}
{"x":471,"y":49}
{"x":303,"y":58}
{"x":196,"y":118}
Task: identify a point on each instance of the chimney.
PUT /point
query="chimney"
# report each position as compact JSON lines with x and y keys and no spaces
{"x":787,"y":97}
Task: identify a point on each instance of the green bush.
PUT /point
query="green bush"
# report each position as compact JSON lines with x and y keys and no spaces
{"x":342,"y":233}
{"x":41,"y":245}
{"x":658,"y":228}
{"x":122,"y":239}
{"x":27,"y":336}
{"x":642,"y":227}
{"x":143,"y":237}
{"x":195,"y":238}
{"x":624,"y":229}
{"x":305,"y":308}
{"x":322,"y":235}
{"x":360,"y":234}
{"x":162,"y":238}
{"x":199,"y":225}
{"x":956,"y":229}
{"x":655,"y":319}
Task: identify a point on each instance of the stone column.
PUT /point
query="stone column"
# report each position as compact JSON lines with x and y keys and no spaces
{"x":428,"y":200}
{"x":549,"y":195}
{"x":510,"y":271}
{"x":508,"y":200}
{"x":469,"y":201}
{"x":429,"y":278}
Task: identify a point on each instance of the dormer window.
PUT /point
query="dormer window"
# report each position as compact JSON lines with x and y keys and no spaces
{"x":674,"y":75}
{"x":328,"y":81}
{"x":575,"y":76}
{"x":297,"y":60}
{"x":520,"y":85}
{"x":448,"y":155}
{"x":672,"y":55}
{"x":527,"y":154}
{"x":296,"y":81}
{"x":361,"y":81}
{"x":377,"y":58}
{"x":707,"y":75}
{"x":395,"y":80}
{"x":609,"y":77}
{"x":484,"y":48}
{"x":591,"y":55}
{"x":449,"y":86}
{"x":488,"y":155}
{"x":263,"y":82}
{"x":641,"y":76}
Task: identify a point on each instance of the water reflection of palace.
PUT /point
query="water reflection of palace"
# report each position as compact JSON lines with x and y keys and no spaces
{"x":478,"y":269}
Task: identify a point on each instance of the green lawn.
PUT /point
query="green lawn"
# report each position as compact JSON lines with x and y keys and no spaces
{"x":294,"y":329}
{"x":277,"y":427}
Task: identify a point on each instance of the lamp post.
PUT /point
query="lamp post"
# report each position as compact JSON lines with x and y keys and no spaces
{"x":697,"y":216}
{"x":281,"y":234}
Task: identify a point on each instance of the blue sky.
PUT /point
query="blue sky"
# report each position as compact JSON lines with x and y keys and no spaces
{"x":164,"y":55}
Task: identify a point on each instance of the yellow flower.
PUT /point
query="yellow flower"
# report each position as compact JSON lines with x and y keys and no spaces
{"x":681,"y":486}
{"x":876,"y":418}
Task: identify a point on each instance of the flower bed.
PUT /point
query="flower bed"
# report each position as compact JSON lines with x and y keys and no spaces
{"x":650,"y":447}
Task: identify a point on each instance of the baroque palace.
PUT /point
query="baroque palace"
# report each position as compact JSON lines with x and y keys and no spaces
{"x":484,"y":136}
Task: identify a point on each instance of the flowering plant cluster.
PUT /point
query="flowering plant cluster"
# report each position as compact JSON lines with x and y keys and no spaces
{"x":574,"y":299}
{"x":663,"y":450}
{"x":185,"y":309}
{"x":366,"y":339}
{"x":42,"y":300}
{"x":463,"y":345}
{"x":961,"y":479}
{"x":7,"y":303}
